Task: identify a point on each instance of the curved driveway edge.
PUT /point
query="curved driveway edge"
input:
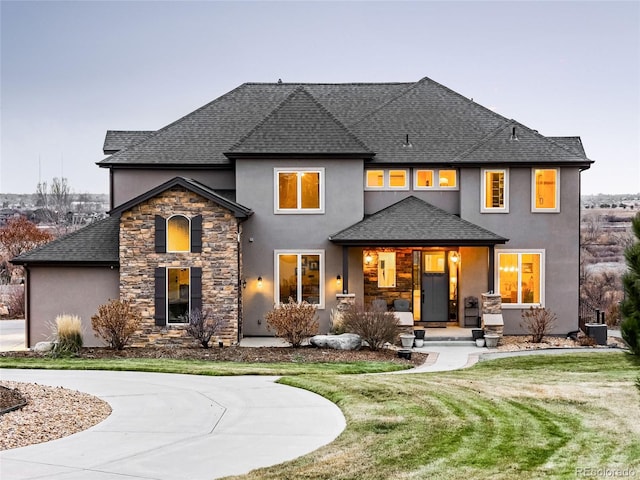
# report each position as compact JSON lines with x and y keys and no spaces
{"x":168,"y":426}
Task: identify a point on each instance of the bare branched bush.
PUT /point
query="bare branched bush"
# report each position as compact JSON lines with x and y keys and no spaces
{"x":15,"y":302}
{"x":203,"y":325}
{"x":538,"y":321}
{"x":115,"y":322}
{"x":293,"y":321}
{"x":68,"y":335}
{"x":374,"y":324}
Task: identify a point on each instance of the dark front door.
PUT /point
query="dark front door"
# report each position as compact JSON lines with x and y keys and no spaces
{"x":435,"y":287}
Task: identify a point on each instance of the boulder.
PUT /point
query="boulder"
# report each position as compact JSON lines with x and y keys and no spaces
{"x":43,"y":347}
{"x":345,"y":341}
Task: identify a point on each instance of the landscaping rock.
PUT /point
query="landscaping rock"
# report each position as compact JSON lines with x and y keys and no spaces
{"x":43,"y":347}
{"x":346,"y":341}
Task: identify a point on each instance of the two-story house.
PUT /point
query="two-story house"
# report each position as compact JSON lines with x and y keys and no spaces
{"x":377,"y":190}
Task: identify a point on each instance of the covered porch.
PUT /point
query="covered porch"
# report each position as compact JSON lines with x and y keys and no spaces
{"x":419,"y":260}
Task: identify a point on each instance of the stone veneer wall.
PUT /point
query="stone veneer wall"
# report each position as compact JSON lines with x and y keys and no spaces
{"x":218,"y":260}
{"x":404,"y":279}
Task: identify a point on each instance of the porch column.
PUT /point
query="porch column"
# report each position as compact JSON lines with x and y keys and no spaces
{"x":345,"y":269}
{"x":492,"y":266}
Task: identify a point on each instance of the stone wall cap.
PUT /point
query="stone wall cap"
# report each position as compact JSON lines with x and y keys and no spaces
{"x":492,"y":319}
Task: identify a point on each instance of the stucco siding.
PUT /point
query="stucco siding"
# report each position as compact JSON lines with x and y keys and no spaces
{"x":72,"y":290}
{"x":265,"y":232}
{"x":556,"y":233}
{"x":130,"y":183}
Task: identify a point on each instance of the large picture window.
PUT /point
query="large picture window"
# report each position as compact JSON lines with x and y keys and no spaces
{"x":299,"y":275}
{"x":495,"y":189}
{"x":545,"y":190}
{"x":299,"y":191}
{"x":520,"y":277}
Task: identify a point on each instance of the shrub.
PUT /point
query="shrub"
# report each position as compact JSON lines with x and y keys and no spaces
{"x":538,"y":321}
{"x":202,"y":326}
{"x":15,"y":302}
{"x":115,"y":322}
{"x":630,"y":326}
{"x":68,"y":333}
{"x":293,"y":321}
{"x":375,"y":324}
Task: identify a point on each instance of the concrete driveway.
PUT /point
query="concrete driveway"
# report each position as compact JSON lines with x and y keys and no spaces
{"x":12,"y":336}
{"x":166,"y":426}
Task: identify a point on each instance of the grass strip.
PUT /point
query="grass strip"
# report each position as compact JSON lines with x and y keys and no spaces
{"x":200,"y":367}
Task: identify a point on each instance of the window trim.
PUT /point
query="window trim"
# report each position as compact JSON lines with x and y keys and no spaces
{"x":298,"y":210}
{"x":386,"y":179}
{"x":520,"y":252}
{"x":436,"y":179}
{"x":167,"y":233}
{"x":483,"y":191}
{"x":299,"y":252}
{"x":535,"y":209}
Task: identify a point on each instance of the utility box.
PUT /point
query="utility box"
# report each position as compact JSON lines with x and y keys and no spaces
{"x":597,"y":331}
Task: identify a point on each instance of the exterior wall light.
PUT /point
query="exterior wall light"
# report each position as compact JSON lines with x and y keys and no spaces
{"x":367,"y":258}
{"x":260,"y":281}
{"x":244,"y":283}
{"x":339,"y":281}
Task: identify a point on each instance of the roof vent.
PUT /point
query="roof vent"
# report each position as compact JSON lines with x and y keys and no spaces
{"x":407,"y":143}
{"x":514,"y":136}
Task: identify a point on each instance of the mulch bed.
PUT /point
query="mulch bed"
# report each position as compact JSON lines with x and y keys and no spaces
{"x":305,"y":354}
{"x":10,"y":399}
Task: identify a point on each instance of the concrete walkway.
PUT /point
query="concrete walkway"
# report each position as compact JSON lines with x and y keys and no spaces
{"x":172,"y":427}
{"x":12,"y":335}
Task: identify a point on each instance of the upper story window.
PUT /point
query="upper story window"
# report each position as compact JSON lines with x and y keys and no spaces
{"x":178,"y":234}
{"x":545,"y":190}
{"x":435,"y":179}
{"x":389,"y":179}
{"x":495,"y":191}
{"x":299,"y":191}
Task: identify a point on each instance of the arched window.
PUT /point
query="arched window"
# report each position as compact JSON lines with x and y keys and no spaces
{"x":178,"y":234}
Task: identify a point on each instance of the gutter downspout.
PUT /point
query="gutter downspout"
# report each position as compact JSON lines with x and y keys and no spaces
{"x":27,"y":307}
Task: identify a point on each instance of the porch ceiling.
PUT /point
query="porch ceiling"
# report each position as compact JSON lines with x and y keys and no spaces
{"x":414,"y":222}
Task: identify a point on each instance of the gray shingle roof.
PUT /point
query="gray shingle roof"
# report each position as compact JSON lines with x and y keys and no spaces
{"x":442,"y":126}
{"x":300,"y":125}
{"x":116,"y":140}
{"x":95,"y":244}
{"x":517,"y":144}
{"x":239,"y":211}
{"x":412,"y":221}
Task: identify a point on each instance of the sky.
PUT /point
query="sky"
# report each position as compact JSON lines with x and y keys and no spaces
{"x":70,"y":71}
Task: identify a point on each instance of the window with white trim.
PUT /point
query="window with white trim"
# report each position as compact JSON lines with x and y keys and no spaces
{"x":387,"y":179}
{"x":520,"y":277}
{"x":299,"y":190}
{"x":495,"y":191}
{"x":435,"y":179}
{"x":299,"y":275}
{"x":545,"y":190}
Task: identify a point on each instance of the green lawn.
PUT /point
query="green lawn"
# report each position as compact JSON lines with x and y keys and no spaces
{"x":539,"y":416}
{"x":516,"y":418}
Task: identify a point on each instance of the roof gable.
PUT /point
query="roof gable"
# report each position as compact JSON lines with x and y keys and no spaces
{"x":514,"y":143}
{"x":95,"y":244}
{"x":192,"y":185}
{"x":300,"y":125}
{"x":412,"y":221}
